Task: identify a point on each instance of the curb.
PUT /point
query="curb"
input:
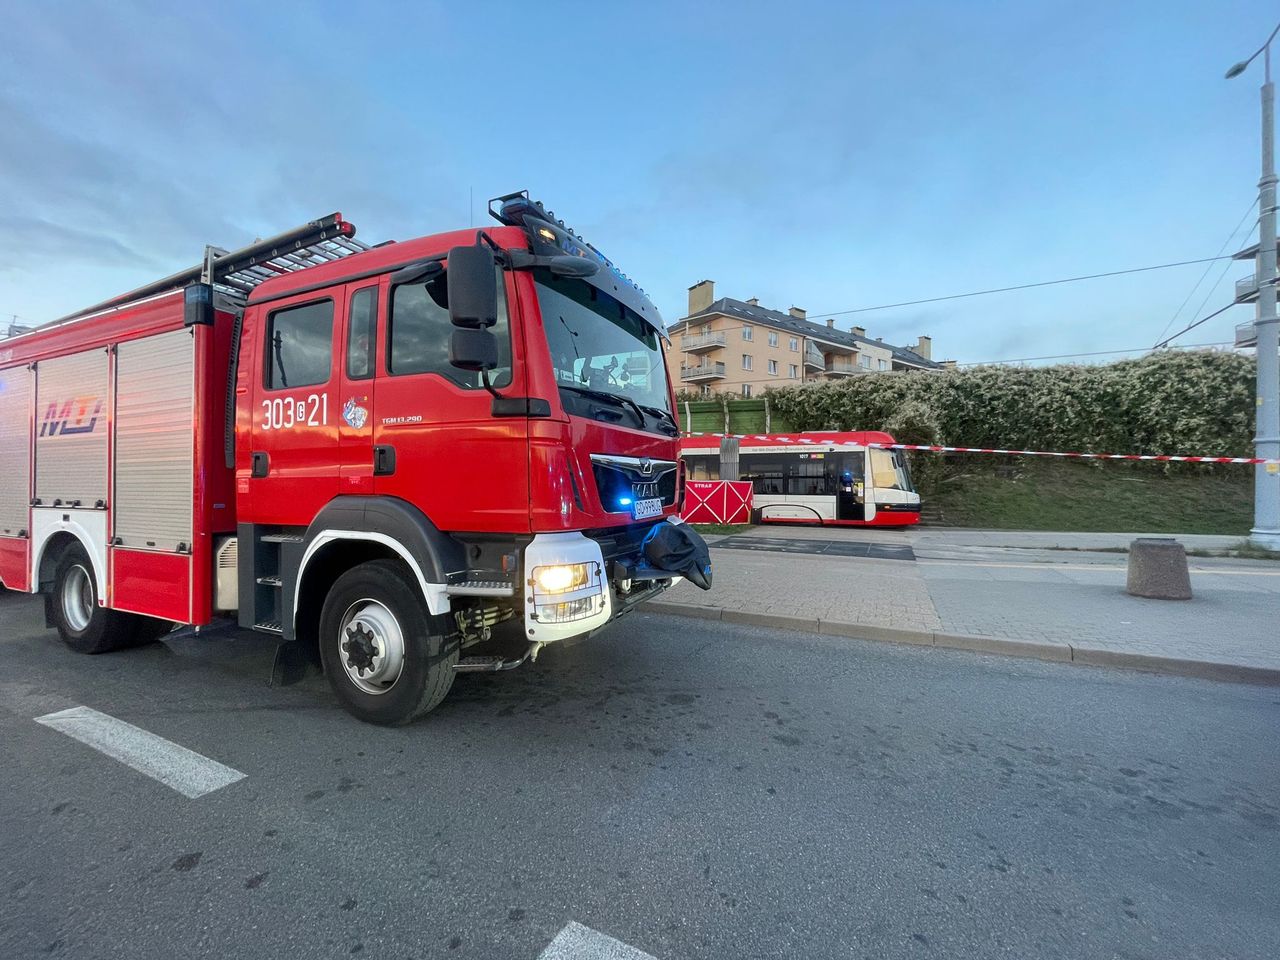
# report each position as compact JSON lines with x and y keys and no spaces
{"x":1054,"y":650}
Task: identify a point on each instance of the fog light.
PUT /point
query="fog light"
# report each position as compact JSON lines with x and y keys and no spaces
{"x":562,"y":577}
{"x":567,"y":611}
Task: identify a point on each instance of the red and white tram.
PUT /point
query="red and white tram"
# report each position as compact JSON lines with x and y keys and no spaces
{"x":822,"y":477}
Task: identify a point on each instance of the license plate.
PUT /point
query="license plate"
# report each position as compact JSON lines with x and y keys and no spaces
{"x":643,"y":509}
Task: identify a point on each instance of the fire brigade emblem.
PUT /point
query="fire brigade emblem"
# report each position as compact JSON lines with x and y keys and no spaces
{"x":355,"y":415}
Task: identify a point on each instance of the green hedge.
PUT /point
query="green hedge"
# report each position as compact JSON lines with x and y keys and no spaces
{"x":1199,"y":402}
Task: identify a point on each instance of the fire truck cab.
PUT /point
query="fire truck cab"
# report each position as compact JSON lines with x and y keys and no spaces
{"x":403,"y":461}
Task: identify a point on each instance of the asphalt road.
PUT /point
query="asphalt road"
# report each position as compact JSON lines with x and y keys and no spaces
{"x":693,"y":789}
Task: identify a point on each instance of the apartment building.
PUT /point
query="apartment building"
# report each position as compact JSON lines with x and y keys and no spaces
{"x":740,"y":347}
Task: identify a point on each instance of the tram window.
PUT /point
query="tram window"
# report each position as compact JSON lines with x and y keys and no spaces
{"x":808,"y":477}
{"x":888,"y":471}
{"x":702,"y":467}
{"x":765,"y":472}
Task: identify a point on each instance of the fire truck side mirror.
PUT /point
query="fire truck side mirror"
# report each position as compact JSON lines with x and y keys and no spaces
{"x":473,"y":349}
{"x":473,"y":288}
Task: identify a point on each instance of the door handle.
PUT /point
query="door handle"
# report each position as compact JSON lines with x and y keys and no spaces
{"x":260,"y":464}
{"x":384,"y":460}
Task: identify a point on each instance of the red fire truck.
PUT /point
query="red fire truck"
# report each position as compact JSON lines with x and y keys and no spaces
{"x":403,"y":461}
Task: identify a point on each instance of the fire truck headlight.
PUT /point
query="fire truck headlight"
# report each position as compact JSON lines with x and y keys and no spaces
{"x":562,"y":577}
{"x":569,"y":610}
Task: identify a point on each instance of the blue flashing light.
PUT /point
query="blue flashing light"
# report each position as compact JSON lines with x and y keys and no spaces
{"x":624,"y":501}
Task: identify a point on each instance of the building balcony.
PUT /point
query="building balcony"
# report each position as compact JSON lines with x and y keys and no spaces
{"x":841,"y":368}
{"x":1246,"y":335}
{"x":813,"y":359}
{"x":701,"y":372}
{"x":702,"y":342}
{"x":1247,"y":289}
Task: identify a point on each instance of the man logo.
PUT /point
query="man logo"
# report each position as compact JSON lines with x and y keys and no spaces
{"x":646,"y":467}
{"x":77,"y":415}
{"x":644,"y":491}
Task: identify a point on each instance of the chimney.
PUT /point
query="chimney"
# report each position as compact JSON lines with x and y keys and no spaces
{"x":753,"y":302}
{"x":859,"y":331}
{"x":831,"y":323}
{"x":924,"y":347}
{"x":701,"y":295}
{"x":797,"y":313}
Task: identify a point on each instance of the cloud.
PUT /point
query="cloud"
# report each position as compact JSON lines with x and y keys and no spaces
{"x":44,"y":242}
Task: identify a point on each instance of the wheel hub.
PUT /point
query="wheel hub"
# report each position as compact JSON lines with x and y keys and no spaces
{"x":371,"y":647}
{"x":359,"y":648}
{"x":77,"y":598}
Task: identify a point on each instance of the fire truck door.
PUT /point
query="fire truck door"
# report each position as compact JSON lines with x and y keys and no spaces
{"x":297,"y":409}
{"x":437,"y":442}
{"x":361,"y":331}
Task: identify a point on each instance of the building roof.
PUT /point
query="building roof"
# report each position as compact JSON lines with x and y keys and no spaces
{"x":729,"y":307}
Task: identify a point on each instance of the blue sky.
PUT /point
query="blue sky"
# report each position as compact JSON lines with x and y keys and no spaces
{"x":827,"y":155}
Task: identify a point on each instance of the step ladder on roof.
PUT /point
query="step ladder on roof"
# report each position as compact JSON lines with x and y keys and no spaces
{"x":234,"y":274}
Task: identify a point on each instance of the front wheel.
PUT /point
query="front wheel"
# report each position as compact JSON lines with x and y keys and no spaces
{"x":387,"y":659}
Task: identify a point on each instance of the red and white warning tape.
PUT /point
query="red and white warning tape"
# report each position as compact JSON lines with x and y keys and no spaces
{"x":1160,"y":458}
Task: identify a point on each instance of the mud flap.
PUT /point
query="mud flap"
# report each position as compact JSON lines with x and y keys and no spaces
{"x":290,"y":664}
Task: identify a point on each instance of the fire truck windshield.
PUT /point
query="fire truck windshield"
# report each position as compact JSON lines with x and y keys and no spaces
{"x":599,"y":346}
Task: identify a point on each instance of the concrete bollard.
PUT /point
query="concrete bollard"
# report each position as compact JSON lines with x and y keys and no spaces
{"x":1158,"y":569}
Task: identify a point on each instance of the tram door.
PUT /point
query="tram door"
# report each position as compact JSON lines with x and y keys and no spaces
{"x":850,"y":480}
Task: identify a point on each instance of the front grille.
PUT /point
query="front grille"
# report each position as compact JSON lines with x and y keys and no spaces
{"x":621,"y":543}
{"x":623,"y":480}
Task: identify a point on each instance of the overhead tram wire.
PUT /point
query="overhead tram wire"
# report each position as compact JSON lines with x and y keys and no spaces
{"x":1168,"y":340}
{"x":1191,"y":293}
{"x":1021,"y":286}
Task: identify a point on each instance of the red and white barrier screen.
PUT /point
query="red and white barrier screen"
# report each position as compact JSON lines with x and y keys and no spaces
{"x":717,"y":501}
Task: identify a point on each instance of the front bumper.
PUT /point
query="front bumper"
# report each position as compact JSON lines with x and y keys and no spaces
{"x":616,"y":583}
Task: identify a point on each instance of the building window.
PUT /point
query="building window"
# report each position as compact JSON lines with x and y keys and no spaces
{"x":795,"y":344}
{"x":706,"y":328}
{"x":747,"y":333}
{"x":773,"y":368}
{"x":705,"y":390}
{"x":746,"y":361}
{"x":794,"y":372}
{"x":865,"y":362}
{"x":746,"y":390}
{"x":300,"y":345}
{"x":884,"y":365}
{"x":773,"y":339}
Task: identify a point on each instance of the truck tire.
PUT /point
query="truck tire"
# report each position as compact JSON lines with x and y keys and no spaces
{"x":387,"y":659}
{"x":84,"y":626}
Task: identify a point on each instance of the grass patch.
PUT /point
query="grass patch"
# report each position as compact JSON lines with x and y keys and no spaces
{"x":1094,"y":497}
{"x":721,"y":529}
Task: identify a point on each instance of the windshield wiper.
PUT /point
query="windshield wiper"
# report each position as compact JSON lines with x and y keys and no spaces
{"x":671,"y":428}
{"x":609,"y":397}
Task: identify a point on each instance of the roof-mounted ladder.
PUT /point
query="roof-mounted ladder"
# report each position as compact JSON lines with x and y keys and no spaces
{"x":235,"y":273}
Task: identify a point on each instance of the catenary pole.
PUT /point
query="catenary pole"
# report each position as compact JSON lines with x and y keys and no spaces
{"x":1266,"y":503}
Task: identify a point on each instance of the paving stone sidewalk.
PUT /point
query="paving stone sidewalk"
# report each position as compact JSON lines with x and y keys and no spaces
{"x":1063,"y":609}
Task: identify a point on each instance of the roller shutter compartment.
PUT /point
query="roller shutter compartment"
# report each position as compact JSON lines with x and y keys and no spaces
{"x":71,"y":429}
{"x":155,"y":442}
{"x":15,"y":450}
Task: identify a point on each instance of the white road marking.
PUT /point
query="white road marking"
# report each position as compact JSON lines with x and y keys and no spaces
{"x":576,"y":942}
{"x":190,"y":773}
